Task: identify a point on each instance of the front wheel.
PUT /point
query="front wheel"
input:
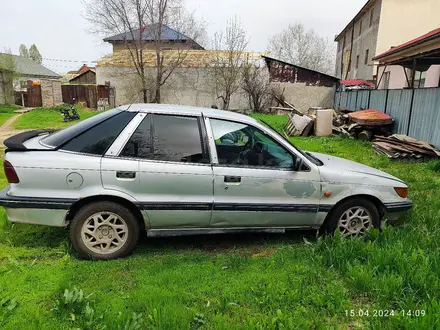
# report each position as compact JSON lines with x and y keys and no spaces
{"x":104,"y":231}
{"x":354,"y":218}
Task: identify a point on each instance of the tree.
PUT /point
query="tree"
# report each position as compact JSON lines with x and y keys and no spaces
{"x":255,"y":83}
{"x":229,"y":60}
{"x":24,"y":51}
{"x":35,"y":55}
{"x":141,"y":18}
{"x":304,"y":48}
{"x":7,"y":75}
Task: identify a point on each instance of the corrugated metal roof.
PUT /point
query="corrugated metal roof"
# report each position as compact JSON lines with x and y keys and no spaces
{"x":27,"y":67}
{"x":356,"y":82}
{"x":428,"y":36}
{"x":148,"y":34}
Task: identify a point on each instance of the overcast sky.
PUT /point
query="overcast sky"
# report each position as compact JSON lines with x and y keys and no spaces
{"x":59,"y":30}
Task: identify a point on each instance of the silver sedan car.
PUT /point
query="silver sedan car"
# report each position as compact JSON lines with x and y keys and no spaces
{"x":173,"y":170}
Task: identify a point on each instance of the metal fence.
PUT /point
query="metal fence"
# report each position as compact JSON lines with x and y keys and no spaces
{"x":416,"y":112}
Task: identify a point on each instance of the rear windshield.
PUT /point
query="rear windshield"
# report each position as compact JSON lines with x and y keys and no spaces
{"x":59,"y":138}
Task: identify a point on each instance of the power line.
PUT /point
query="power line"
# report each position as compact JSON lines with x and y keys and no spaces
{"x":77,"y":61}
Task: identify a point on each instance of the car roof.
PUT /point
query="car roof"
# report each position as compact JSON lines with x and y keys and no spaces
{"x":187,"y":110}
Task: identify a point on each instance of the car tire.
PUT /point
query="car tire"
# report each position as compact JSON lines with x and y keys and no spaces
{"x":104,"y":231}
{"x":353,"y":217}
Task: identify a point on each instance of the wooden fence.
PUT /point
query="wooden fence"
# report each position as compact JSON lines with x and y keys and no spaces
{"x":90,"y":94}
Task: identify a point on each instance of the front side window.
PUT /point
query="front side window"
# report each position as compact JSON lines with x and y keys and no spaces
{"x":244,"y":145}
{"x":99,"y":138}
{"x":167,"y":138}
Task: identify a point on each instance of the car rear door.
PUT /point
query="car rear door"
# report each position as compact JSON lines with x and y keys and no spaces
{"x":254,"y":189}
{"x":174,"y":180}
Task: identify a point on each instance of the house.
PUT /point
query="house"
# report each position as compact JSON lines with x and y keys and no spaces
{"x":302,"y":87}
{"x":413,"y":64}
{"x":170,"y":39}
{"x":379,"y":25}
{"x":87,"y":76}
{"x":30,"y":73}
{"x":27,"y":69}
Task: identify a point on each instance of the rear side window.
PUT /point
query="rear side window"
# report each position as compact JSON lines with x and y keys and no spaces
{"x":99,"y":138}
{"x":167,"y":138}
{"x":59,"y":138}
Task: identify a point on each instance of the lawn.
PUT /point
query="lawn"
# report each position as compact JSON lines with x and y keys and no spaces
{"x":291,"y":281}
{"x":6,"y":112}
{"x":47,"y":118}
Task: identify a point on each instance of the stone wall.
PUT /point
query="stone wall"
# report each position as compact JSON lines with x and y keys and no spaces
{"x":51,"y":93}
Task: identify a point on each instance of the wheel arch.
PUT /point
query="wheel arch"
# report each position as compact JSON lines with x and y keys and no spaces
{"x":373,"y":199}
{"x":75,"y":207}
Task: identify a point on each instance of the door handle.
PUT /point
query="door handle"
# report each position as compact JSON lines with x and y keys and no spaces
{"x":232,"y":179}
{"x":125,"y":174}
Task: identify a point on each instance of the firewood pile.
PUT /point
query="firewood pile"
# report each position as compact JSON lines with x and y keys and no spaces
{"x":403,"y":147}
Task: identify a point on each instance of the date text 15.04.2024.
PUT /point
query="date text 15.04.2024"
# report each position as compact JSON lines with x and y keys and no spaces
{"x":384,"y":313}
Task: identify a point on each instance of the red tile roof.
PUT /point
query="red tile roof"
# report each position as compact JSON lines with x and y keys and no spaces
{"x":356,"y":82}
{"x":433,"y":33}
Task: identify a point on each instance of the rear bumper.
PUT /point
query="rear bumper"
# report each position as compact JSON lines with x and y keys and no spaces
{"x":394,"y":211}
{"x":35,"y":210}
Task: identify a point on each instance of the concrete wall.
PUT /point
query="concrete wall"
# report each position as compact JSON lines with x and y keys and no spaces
{"x":51,"y":93}
{"x":367,"y":40}
{"x":403,"y":20}
{"x":186,"y":86}
{"x":304,"y":97}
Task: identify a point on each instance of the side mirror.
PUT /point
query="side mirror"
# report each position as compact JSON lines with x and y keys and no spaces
{"x":297,"y":165}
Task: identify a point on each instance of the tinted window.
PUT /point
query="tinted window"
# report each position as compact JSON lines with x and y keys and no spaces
{"x":59,"y":138}
{"x":244,"y":145}
{"x":99,"y":138}
{"x":177,"y":139}
{"x":139,"y":145}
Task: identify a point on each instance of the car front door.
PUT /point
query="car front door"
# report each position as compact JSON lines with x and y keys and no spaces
{"x":254,"y":181}
{"x":174,"y":171}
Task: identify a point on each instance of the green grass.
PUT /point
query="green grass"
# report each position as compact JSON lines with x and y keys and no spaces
{"x":278,"y":122}
{"x":291,"y":281}
{"x":6,"y":112}
{"x":47,"y":118}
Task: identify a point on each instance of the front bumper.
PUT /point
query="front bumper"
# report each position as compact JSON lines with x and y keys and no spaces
{"x":35,"y":210}
{"x":394,"y":211}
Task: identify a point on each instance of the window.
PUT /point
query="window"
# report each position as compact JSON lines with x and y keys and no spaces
{"x":175,"y":139}
{"x":360,"y":27}
{"x":357,"y":62}
{"x":371,"y":17}
{"x":367,"y":56}
{"x":139,"y":145}
{"x":59,"y":138}
{"x":244,"y":145}
{"x":23,"y":84}
{"x":99,"y":138}
{"x":420,"y":79}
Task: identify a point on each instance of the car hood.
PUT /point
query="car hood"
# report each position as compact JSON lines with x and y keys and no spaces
{"x":335,"y":167}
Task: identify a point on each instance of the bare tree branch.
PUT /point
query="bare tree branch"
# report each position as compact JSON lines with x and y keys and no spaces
{"x":304,"y":48}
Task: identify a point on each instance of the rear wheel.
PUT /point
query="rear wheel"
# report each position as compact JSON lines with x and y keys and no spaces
{"x":354,"y":218}
{"x":104,"y":231}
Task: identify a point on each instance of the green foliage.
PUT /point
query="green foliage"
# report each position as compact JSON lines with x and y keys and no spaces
{"x":278,"y":122}
{"x":24,"y":51}
{"x":291,"y":281}
{"x":7,"y":306}
{"x":35,"y":55}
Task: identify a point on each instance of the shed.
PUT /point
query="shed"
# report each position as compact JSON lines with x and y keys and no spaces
{"x":87,"y":77}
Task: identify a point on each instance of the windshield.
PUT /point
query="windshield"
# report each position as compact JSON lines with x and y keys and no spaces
{"x":58,"y":138}
{"x":309,"y":156}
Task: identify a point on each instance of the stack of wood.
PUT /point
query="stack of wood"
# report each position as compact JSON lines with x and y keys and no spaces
{"x":403,"y":147}
{"x":300,"y":125}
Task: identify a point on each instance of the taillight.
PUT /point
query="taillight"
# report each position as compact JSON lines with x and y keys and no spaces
{"x":10,"y":173}
{"x":402,"y":192}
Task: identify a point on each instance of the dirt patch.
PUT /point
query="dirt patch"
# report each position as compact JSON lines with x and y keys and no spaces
{"x":6,"y":130}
